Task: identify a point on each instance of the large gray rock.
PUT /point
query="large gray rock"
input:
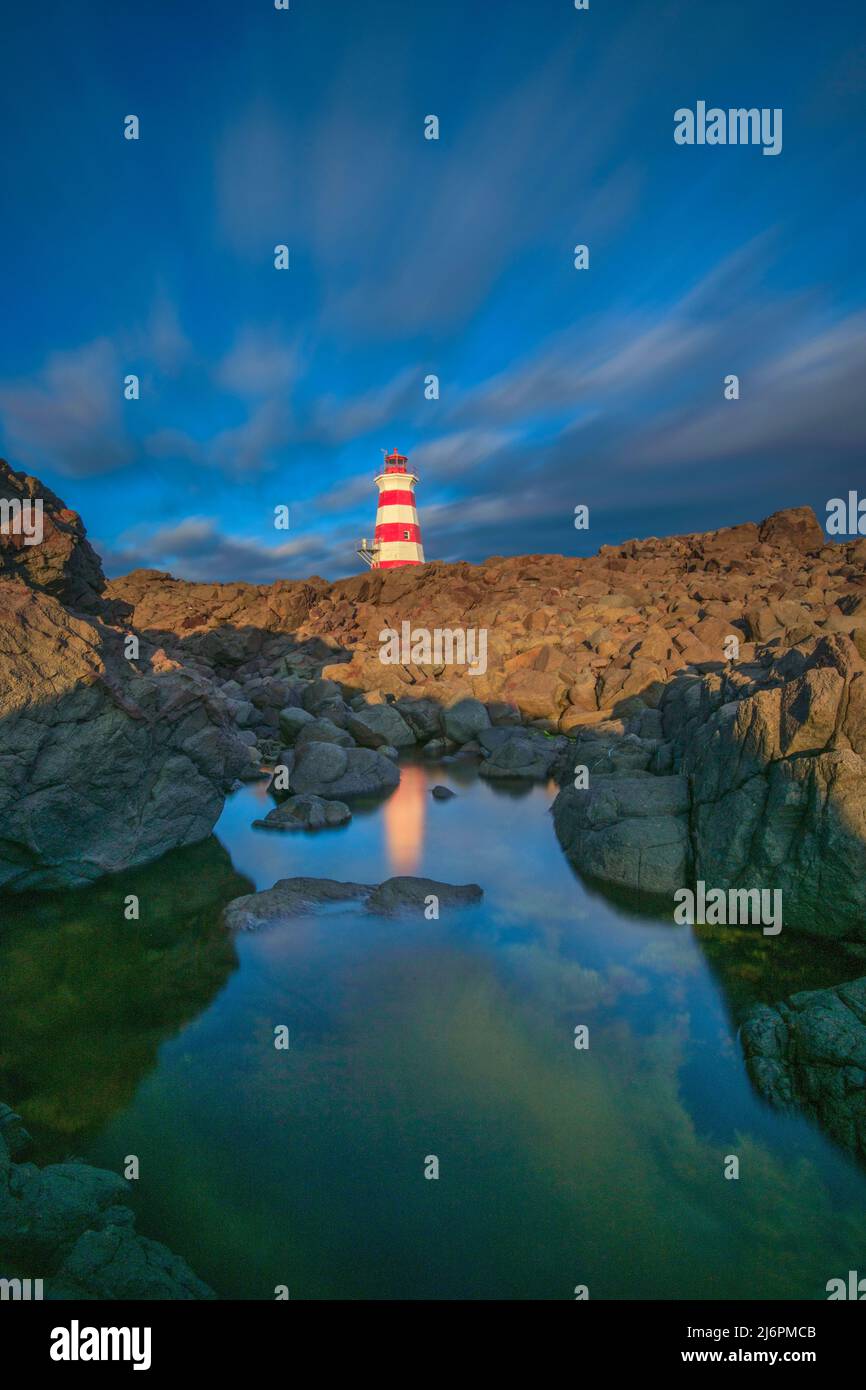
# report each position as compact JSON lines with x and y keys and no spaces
{"x":628,"y":832}
{"x":317,"y":765}
{"x":323,"y":730}
{"x":43,"y":1209}
{"x":776,"y":763}
{"x":808,"y":1052}
{"x":290,"y":897}
{"x":376,"y":726}
{"x":322,"y":697}
{"x":292,"y":720}
{"x":340,"y":773}
{"x":465,"y":720}
{"x":104,"y":762}
{"x":423,"y":716}
{"x":523,"y":755}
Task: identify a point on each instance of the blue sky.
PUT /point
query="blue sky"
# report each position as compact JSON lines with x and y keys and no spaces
{"x":408,"y":257}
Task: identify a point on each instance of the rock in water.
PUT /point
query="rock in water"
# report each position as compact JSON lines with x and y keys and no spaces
{"x":296,"y":897}
{"x":520,"y":754}
{"x":74,"y":1222}
{"x":775,"y":757}
{"x":306,"y":813}
{"x":629,"y":832}
{"x":409,"y":894}
{"x":808,"y":1052}
{"x":290,"y":897}
{"x":443,"y":793}
{"x":338,"y":773}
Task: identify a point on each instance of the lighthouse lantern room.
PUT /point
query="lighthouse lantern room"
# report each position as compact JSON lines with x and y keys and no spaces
{"x":397,"y":539}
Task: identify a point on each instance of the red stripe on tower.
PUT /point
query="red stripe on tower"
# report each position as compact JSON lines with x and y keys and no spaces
{"x":397,"y":537}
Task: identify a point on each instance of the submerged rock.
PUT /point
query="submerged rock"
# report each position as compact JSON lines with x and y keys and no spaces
{"x":73,"y":1222}
{"x":290,"y":897}
{"x":116,"y":1263}
{"x":808,"y":1052}
{"x":18,"y":1140}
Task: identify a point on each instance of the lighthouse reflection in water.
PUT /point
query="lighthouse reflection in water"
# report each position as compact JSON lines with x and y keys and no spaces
{"x":404,"y":817}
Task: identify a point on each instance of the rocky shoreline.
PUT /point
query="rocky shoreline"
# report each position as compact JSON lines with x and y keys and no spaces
{"x":713,"y":686}
{"x":700,"y":701}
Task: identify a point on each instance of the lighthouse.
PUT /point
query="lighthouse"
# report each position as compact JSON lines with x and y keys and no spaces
{"x":397,"y":539}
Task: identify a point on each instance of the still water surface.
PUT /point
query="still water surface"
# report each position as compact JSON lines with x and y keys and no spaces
{"x":410,"y":1038}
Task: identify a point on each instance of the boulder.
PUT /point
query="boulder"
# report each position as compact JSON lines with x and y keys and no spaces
{"x":104,"y":763}
{"x":628,"y":832}
{"x":322,"y":696}
{"x":375,"y":726}
{"x":322,"y":730}
{"x":522,"y":756}
{"x":465,"y":720}
{"x":778,"y":784}
{"x":115,"y":1263}
{"x":424,"y":717}
{"x":292,"y":720}
{"x":338,"y":773}
{"x":796,"y":527}
{"x":317,"y":765}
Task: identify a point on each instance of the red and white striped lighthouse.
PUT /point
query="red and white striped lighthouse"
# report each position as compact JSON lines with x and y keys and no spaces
{"x":397,"y":539}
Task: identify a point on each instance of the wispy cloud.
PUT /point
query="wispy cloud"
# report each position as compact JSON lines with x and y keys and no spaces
{"x":69,"y":417}
{"x":197,"y":549}
{"x":259,"y":363}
